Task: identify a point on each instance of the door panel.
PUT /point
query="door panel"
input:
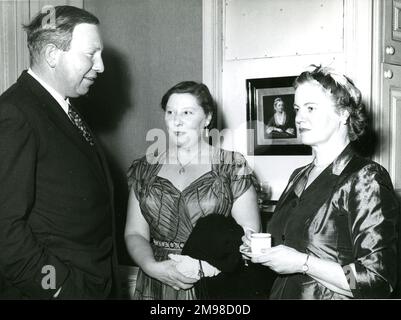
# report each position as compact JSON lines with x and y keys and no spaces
{"x":392,"y":26}
{"x":391,"y":99}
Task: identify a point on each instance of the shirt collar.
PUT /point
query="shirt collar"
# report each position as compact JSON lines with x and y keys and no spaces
{"x":339,"y":163}
{"x":64,"y":103}
{"x":342,"y":160}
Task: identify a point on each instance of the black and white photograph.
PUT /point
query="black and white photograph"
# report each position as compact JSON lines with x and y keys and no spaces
{"x":279,"y":117}
{"x":271,"y":118}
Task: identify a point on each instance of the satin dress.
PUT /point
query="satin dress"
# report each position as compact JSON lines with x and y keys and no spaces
{"x":172,"y":214}
{"x":349,"y":214}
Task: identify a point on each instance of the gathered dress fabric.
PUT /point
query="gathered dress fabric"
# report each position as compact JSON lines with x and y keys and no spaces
{"x":349,"y":214}
{"x":172,"y":213}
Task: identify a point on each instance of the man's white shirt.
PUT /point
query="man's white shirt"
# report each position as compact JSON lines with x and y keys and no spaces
{"x":64,"y":103}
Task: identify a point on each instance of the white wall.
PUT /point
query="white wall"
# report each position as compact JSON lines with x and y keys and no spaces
{"x":333,"y":32}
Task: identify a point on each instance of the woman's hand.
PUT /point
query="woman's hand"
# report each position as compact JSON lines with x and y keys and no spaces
{"x":246,"y":242}
{"x":246,"y":238}
{"x":190,"y":267}
{"x":166,"y":272}
{"x":269,"y":130}
{"x":282,"y":259}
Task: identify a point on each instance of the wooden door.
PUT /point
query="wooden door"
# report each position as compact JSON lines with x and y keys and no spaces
{"x":392,"y":32}
{"x":391,"y":133}
{"x":390,"y":102}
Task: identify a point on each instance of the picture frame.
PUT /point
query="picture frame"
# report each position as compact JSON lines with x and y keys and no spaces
{"x":271,"y":118}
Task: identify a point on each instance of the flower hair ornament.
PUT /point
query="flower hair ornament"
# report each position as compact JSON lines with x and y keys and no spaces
{"x":340,"y":80}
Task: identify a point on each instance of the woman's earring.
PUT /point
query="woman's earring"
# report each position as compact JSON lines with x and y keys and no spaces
{"x":206,"y":132}
{"x":345,"y":116}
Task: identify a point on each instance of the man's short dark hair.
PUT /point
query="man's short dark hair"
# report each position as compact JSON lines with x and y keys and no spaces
{"x":55,"y":26}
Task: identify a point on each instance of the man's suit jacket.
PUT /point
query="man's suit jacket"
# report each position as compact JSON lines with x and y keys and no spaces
{"x":56,"y":202}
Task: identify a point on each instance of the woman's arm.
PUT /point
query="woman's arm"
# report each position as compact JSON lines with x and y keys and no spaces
{"x":137,"y":239}
{"x":271,"y":126}
{"x":245,"y":210}
{"x":373,"y":213}
{"x":338,"y":281}
{"x":286,"y":260}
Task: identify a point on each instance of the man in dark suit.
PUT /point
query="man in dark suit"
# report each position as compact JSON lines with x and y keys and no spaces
{"x":56,"y":199}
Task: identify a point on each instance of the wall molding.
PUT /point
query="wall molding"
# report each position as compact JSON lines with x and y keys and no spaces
{"x":212,"y":50}
{"x":377,"y":58}
{"x":358,"y":42}
{"x":13,"y":48}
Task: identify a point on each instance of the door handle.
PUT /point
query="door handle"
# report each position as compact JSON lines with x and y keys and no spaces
{"x":390,"y":50}
{"x":388,"y":74}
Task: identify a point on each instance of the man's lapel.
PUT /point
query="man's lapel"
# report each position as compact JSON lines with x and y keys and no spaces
{"x":56,"y":114}
{"x":103,"y":162}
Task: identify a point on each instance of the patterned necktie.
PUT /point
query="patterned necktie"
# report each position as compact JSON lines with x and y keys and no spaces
{"x":301,"y":183}
{"x":77,"y":120}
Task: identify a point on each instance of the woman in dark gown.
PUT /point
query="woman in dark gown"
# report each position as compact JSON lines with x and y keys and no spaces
{"x":170,"y":192}
{"x":335,"y":226}
{"x":281,"y":124}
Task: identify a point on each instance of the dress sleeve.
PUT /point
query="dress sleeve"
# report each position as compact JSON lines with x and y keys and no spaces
{"x":374,"y":214}
{"x":271,"y":122}
{"x":135,"y":177}
{"x":242,"y":176}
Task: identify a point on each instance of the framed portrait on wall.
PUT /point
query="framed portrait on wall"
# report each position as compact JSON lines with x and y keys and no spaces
{"x":271,"y":118}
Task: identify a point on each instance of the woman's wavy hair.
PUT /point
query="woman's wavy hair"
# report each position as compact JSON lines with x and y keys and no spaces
{"x":199,"y":90}
{"x":344,"y":93}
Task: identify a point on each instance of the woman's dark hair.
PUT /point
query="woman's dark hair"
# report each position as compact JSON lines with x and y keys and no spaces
{"x":345,"y":95}
{"x":198,"y":90}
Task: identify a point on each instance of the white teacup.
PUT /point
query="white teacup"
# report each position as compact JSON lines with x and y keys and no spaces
{"x":260,"y":242}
